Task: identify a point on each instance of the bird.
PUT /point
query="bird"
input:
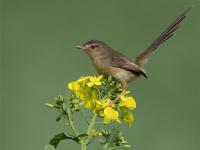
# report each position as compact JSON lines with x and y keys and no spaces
{"x":110,"y":62}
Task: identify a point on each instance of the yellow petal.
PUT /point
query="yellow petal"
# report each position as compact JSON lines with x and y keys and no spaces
{"x":110,"y":115}
{"x":100,"y":77}
{"x":74,"y":86}
{"x":101,"y":104}
{"x":127,"y":117}
{"x":106,"y":120}
{"x":93,"y":79}
{"x":97,"y":83}
{"x":129,"y":102}
{"x":83,"y":78}
{"x":90,"y":84}
{"x":87,"y":104}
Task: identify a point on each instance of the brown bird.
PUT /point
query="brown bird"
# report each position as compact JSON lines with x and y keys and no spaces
{"x":110,"y":62}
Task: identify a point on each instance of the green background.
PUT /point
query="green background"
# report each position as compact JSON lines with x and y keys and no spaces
{"x":38,"y":58}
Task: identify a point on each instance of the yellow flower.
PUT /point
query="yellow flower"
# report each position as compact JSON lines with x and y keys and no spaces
{"x":81,"y":79}
{"x":74,"y":86}
{"x":95,"y":80}
{"x":128,"y":102}
{"x":88,"y":96}
{"x":127,"y":117}
{"x":83,"y":93}
{"x":110,"y":115}
{"x":90,"y":99}
{"x":100,"y":105}
{"x":87,"y":104}
{"x":86,"y":89}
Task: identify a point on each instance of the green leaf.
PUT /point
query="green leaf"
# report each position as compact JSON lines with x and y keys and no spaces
{"x":59,"y":118}
{"x":126,"y":146}
{"x":51,"y":106}
{"x":60,"y":137}
{"x":49,"y":147}
{"x":59,"y":100}
{"x":109,"y":79}
{"x":81,"y":136}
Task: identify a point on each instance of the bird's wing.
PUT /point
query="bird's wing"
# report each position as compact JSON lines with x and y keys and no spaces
{"x":165,"y":35}
{"x":126,"y":64}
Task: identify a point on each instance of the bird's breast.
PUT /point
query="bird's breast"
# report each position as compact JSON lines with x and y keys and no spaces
{"x":101,"y":63}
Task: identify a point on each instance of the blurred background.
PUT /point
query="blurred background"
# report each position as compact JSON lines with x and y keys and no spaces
{"x":38,"y":58}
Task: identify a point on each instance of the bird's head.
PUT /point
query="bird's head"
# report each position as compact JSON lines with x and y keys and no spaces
{"x":93,"y":47}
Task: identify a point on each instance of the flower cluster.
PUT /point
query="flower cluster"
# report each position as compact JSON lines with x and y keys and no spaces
{"x":97,"y":92}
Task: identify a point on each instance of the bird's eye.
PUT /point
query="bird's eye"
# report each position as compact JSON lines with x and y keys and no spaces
{"x":93,"y":46}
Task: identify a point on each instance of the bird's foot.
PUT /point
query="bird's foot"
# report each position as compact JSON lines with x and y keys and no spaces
{"x":117,"y":98}
{"x":114,"y":101}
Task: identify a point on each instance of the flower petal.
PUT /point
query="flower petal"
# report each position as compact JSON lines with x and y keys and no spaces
{"x":128,"y":102}
{"x":127,"y":117}
{"x":110,"y":115}
{"x":90,"y":84}
{"x":74,"y":86}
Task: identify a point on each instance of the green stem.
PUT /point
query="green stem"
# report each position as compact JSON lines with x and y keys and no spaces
{"x":92,"y":122}
{"x":71,"y":123}
{"x":83,"y":144}
{"x":84,"y":141}
{"x":107,"y":147}
{"x":70,"y":120}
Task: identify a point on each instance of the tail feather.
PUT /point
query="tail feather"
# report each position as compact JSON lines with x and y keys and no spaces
{"x":164,"y":36}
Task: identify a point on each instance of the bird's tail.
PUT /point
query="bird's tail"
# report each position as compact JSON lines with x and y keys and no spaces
{"x":164,"y":36}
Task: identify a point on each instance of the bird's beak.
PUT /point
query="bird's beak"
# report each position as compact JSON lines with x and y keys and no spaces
{"x":80,"y":47}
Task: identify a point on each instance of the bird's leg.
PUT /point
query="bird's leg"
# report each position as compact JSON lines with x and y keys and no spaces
{"x":124,"y":87}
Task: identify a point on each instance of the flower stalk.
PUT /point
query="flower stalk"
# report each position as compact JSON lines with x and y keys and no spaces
{"x":84,"y":141}
{"x":71,"y":123}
